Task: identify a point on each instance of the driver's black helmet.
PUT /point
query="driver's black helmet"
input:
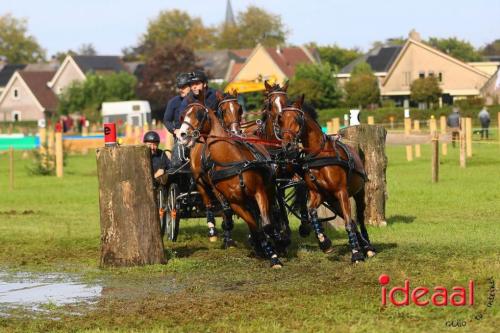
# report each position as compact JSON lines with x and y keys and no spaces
{"x":182,"y":80}
{"x":198,"y":76}
{"x":151,"y":136}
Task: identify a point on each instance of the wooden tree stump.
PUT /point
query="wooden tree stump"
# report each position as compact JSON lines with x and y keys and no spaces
{"x":369,"y":141}
{"x":130,"y":231}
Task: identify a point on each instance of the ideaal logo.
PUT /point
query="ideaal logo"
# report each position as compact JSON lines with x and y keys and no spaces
{"x":439,"y":296}
{"x":423,"y":296}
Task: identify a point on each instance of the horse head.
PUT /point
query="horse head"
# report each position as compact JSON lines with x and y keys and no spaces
{"x":229,"y":112}
{"x":276,"y":97}
{"x":289,"y":126}
{"x":195,"y":120}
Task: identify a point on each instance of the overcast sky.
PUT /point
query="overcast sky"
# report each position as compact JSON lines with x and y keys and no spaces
{"x":111,"y":25}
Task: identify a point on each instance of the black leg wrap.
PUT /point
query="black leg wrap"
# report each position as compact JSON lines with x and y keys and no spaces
{"x":227,"y":226}
{"x":212,"y":232}
{"x":270,"y":253}
{"x":325,"y":244}
{"x":305,"y":227}
{"x":357,"y":255}
{"x":317,"y":226}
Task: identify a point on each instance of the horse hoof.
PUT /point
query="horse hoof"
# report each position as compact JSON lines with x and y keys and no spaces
{"x":370,"y":253}
{"x":326,"y":246}
{"x":228,"y":244}
{"x":357,"y":257}
{"x":304,"y":230}
{"x":213,"y":239}
{"x":276,"y":263}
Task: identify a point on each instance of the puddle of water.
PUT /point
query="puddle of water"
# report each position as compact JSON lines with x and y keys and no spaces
{"x":32,"y":292}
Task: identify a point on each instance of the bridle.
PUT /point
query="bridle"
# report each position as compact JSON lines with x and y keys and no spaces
{"x":278,"y":131}
{"x":196,"y":132}
{"x":220,"y":113}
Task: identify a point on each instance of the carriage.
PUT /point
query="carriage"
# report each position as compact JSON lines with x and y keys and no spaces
{"x":178,"y":199}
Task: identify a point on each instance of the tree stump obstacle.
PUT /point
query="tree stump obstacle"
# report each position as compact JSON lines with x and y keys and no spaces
{"x":129,"y":217}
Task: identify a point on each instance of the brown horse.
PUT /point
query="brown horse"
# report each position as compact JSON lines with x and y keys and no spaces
{"x":237,"y":173}
{"x":333,"y":172}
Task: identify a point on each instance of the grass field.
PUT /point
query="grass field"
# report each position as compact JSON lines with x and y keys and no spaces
{"x":437,"y":234}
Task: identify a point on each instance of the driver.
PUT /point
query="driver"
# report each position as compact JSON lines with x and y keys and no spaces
{"x":159,"y":160}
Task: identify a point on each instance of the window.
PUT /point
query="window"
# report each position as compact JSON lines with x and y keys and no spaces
{"x":421,"y":75}
{"x":431,"y":74}
{"x":16,"y":93}
{"x":440,"y":77}
{"x":16,"y":116}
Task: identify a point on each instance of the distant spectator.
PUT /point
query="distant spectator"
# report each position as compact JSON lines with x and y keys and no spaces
{"x":454,"y":124}
{"x":484,"y":119}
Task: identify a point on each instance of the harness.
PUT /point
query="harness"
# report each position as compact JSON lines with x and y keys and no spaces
{"x":231,"y":169}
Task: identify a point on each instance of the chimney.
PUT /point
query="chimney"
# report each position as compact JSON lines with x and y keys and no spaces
{"x":414,"y":35}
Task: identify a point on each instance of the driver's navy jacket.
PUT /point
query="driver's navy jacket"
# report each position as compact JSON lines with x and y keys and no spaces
{"x":173,"y":113}
{"x":159,"y":160}
{"x":210,"y":100}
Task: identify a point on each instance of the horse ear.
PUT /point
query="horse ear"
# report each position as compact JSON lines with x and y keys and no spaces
{"x":299,"y":102}
{"x":267,"y":85}
{"x":285,"y":86}
{"x":200,"y":114}
{"x":191,"y":98}
{"x":302,"y":97}
{"x":235,"y":93}
{"x":219,"y":96}
{"x":201,"y":97}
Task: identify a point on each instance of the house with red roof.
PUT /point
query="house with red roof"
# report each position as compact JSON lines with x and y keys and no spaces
{"x":27,"y":97}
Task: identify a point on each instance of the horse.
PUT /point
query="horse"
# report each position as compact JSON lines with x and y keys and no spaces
{"x":276,"y":100}
{"x":237,"y":173}
{"x":333,"y":172}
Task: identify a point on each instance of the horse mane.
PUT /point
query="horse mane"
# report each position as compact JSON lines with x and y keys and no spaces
{"x":310,"y":110}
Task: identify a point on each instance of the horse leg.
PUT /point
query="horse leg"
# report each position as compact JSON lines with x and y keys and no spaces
{"x":227,"y":223}
{"x":363,"y":238}
{"x":259,"y":238}
{"x":325,"y":244}
{"x":212,"y":232}
{"x":305,"y":226}
{"x":350,"y":225}
{"x":227,"y":226}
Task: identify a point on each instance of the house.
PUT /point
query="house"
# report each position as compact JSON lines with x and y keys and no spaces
{"x":27,"y":97}
{"x":398,"y":66}
{"x":278,"y":62}
{"x":491,"y":89}
{"x":75,"y":68}
{"x":6,"y":73}
{"x":220,"y":63}
{"x":379,"y":58}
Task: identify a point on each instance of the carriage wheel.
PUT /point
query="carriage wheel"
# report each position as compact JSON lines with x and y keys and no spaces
{"x":162,"y":206}
{"x":172,"y":213}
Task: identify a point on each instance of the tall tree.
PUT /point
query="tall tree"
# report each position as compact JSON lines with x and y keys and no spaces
{"x":87,"y":49}
{"x":60,"y":56}
{"x":174,"y":26}
{"x":336,"y":56}
{"x":16,"y":44}
{"x":253,"y":26}
{"x":491,"y":49}
{"x":86,"y":97}
{"x":159,"y":74}
{"x":316,"y":81}
{"x":460,"y":49}
{"x":362,"y":88}
{"x":425,"y":90}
